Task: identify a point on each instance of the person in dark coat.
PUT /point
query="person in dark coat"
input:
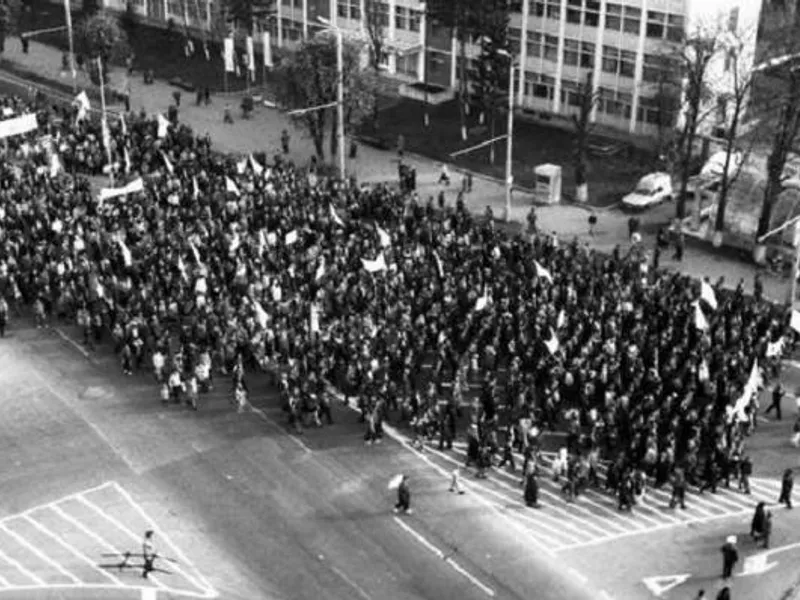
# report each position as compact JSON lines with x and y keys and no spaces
{"x":787,"y":483}
{"x":403,"y":497}
{"x":730,"y":556}
{"x":757,"y":524}
{"x":531,"y":487}
{"x":724,"y":594}
{"x":767,"y":530}
{"x":777,"y":397}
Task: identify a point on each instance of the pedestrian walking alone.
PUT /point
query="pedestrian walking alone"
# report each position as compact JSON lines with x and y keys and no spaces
{"x":403,"y":497}
{"x":777,"y":396}
{"x":730,"y":556}
{"x":787,"y":483}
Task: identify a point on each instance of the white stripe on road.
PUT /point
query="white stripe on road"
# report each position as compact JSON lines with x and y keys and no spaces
{"x":273,"y":424}
{"x":21,"y":569}
{"x":22,"y":541}
{"x":456,"y":567}
{"x":72,"y":342}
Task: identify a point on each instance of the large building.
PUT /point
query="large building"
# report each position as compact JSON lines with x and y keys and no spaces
{"x":624,"y":46}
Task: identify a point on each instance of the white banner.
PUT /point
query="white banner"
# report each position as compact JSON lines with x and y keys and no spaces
{"x":266,"y":42}
{"x":227,"y":55}
{"x":18,"y":126}
{"x":135,"y":186}
{"x":251,"y":57}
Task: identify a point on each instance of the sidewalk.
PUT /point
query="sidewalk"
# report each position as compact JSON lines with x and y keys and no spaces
{"x":261,"y":133}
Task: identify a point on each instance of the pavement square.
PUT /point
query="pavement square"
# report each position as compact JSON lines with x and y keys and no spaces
{"x":80,"y":541}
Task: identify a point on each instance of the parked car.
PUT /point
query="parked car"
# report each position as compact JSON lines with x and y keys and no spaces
{"x":652,"y":190}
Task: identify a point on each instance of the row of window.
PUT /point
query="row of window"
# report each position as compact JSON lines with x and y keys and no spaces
{"x":404,"y":17}
{"x":627,"y":19}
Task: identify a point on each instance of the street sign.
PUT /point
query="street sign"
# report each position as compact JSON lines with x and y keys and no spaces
{"x":663,"y":583}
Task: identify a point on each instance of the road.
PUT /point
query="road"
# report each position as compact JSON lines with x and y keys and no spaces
{"x":93,"y":459}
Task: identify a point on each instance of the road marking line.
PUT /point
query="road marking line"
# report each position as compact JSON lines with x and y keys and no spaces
{"x":21,"y":569}
{"x":149,"y":594}
{"x":209,"y":589}
{"x":72,"y":549}
{"x":577,"y":575}
{"x":121,"y":527}
{"x":96,"y":488}
{"x":272,"y":423}
{"x":4,"y":583}
{"x":458,"y":568}
{"x":72,"y":343}
{"x":350,"y":582}
{"x":40,"y":554}
{"x":118,"y":452}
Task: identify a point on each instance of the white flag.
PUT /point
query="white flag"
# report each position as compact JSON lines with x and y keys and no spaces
{"x":320,"y":270}
{"x":227,"y":55}
{"x":290,"y":238}
{"x":83,"y":104}
{"x":230,"y":186}
{"x":251,"y":57}
{"x":195,"y":253}
{"x":126,"y":253}
{"x":542,"y":272}
{"x":163,"y":126}
{"x":135,"y":186}
{"x":439,"y":267}
{"x":256,"y":166}
{"x":336,"y":219}
{"x":127,"y":159}
{"x":699,"y":318}
{"x":106,"y":134}
{"x":552,"y":344}
{"x":195,"y":188}
{"x":261,"y":315}
{"x":241,"y":166}
{"x":182,"y":268}
{"x":561,"y":320}
{"x":702,"y":372}
{"x":124,"y":125}
{"x":167,"y":163}
{"x":314,"y":318}
{"x":384,"y":237}
{"x":750,"y":389}
{"x":795,"y":322}
{"x":775,"y":348}
{"x":374,"y":266}
{"x":266,"y":44}
{"x":481,"y":303}
{"x":707,"y":294}
{"x":55,"y":164}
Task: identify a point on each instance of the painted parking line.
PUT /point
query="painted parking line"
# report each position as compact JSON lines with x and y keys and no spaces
{"x":79,"y":542}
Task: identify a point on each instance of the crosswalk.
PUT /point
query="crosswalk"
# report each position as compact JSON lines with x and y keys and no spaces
{"x":79,"y":541}
{"x":593,"y":518}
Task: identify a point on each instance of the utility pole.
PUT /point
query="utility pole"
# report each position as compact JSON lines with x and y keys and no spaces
{"x":68,"y":17}
{"x":106,"y":132}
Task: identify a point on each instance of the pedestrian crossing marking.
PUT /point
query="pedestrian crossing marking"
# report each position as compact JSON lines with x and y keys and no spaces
{"x":58,"y":545}
{"x":592,"y":518}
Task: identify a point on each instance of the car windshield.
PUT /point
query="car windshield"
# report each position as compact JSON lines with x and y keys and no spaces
{"x":644,"y":190}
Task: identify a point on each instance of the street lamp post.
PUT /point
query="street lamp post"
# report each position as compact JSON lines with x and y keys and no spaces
{"x":509,"y":136}
{"x":68,"y":16}
{"x":339,"y":94}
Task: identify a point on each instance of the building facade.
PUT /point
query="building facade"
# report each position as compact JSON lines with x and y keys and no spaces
{"x":627,"y":48}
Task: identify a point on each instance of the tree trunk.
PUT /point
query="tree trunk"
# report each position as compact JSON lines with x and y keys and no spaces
{"x":722,"y":200}
{"x":492,"y":135}
{"x":686,"y":161}
{"x":463,"y":88}
{"x":316,"y":127}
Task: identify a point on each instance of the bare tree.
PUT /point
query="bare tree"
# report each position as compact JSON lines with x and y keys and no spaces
{"x":695,"y":55}
{"x":588,"y":98}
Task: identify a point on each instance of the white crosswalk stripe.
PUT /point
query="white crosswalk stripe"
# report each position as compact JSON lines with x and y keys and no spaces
{"x":592,"y":518}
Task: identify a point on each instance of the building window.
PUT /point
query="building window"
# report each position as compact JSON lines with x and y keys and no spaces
{"x":551,"y":48}
{"x":407,"y":64}
{"x":632,"y":20}
{"x":549,"y":8}
{"x":514,"y":40}
{"x":381,"y":14}
{"x":587,"y":55}
{"x":574,"y":11}
{"x":570,"y":93}
{"x":533,"y":45}
{"x":675,"y":28}
{"x":539,"y":86}
{"x":349,"y":9}
{"x":618,"y":62}
{"x":414,"y":19}
{"x":611,"y":59}
{"x":571,"y":52}
{"x":591,"y":16}
{"x":614,"y":17}
{"x":656,"y":24}
{"x":627,"y":63}
{"x":401,"y":17}
{"x":652,"y":112}
{"x":292,"y":30}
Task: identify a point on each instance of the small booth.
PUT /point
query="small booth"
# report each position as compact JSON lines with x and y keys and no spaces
{"x":548,"y":184}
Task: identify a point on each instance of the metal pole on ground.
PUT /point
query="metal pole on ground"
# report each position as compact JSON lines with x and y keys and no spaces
{"x":340,"y":102}
{"x":509,"y":142}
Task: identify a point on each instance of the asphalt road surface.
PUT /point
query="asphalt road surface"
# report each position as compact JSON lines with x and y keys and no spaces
{"x":92,"y":459}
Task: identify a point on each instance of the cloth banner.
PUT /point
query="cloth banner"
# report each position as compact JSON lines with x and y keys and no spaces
{"x":18,"y":125}
{"x":230,"y":186}
{"x":290,"y":238}
{"x":336,"y":218}
{"x":251,"y":57}
{"x":227,"y":55}
{"x":83,"y":104}
{"x":795,"y":322}
{"x":699,"y":318}
{"x":266,"y":43}
{"x":135,"y":186}
{"x":542,"y":272}
{"x":384,"y":237}
{"x":707,"y":295}
{"x":552,"y":344}
{"x":750,"y":389}
{"x":374,"y":266}
{"x":163,"y":126}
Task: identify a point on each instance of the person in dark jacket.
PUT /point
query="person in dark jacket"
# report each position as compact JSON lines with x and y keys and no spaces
{"x":777,"y":397}
{"x":787,"y":483}
{"x":403,"y":497}
{"x":531,"y":487}
{"x":757,"y":524}
{"x":730,"y":556}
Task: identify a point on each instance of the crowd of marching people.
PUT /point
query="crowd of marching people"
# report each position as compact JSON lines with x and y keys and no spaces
{"x":200,"y":265}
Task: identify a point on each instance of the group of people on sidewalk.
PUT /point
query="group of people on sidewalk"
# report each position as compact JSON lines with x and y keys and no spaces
{"x":224,"y":264}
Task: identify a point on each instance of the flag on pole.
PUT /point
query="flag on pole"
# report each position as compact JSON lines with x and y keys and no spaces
{"x":291,"y":237}
{"x":251,"y":57}
{"x":750,"y":389}
{"x":552,"y":344}
{"x":134,"y":187}
{"x":167,"y":163}
{"x":702,"y":372}
{"x":707,"y":295}
{"x":439,"y":267}
{"x":776,"y":348}
{"x":261,"y":315}
{"x":230,"y":186}
{"x":227,"y":55}
{"x":241,"y":166}
{"x":256,"y":166}
{"x":336,"y":219}
{"x":395,"y":482}
{"x":542,"y":272}
{"x":127,"y":259}
{"x":795,"y":321}
{"x":699,"y":318}
{"x":320,"y":270}
{"x":561,"y":320}
{"x":375,"y":266}
{"x":83,"y":104}
{"x":106,"y":134}
{"x":124,"y":125}
{"x":127,"y":159}
{"x":163,"y":126}
{"x":383,"y":236}
{"x":55,"y":164}
{"x":195,"y":253}
{"x":195,"y":188}
{"x":266,"y":44}
{"x":182,"y":269}
{"x":314,"y":319}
